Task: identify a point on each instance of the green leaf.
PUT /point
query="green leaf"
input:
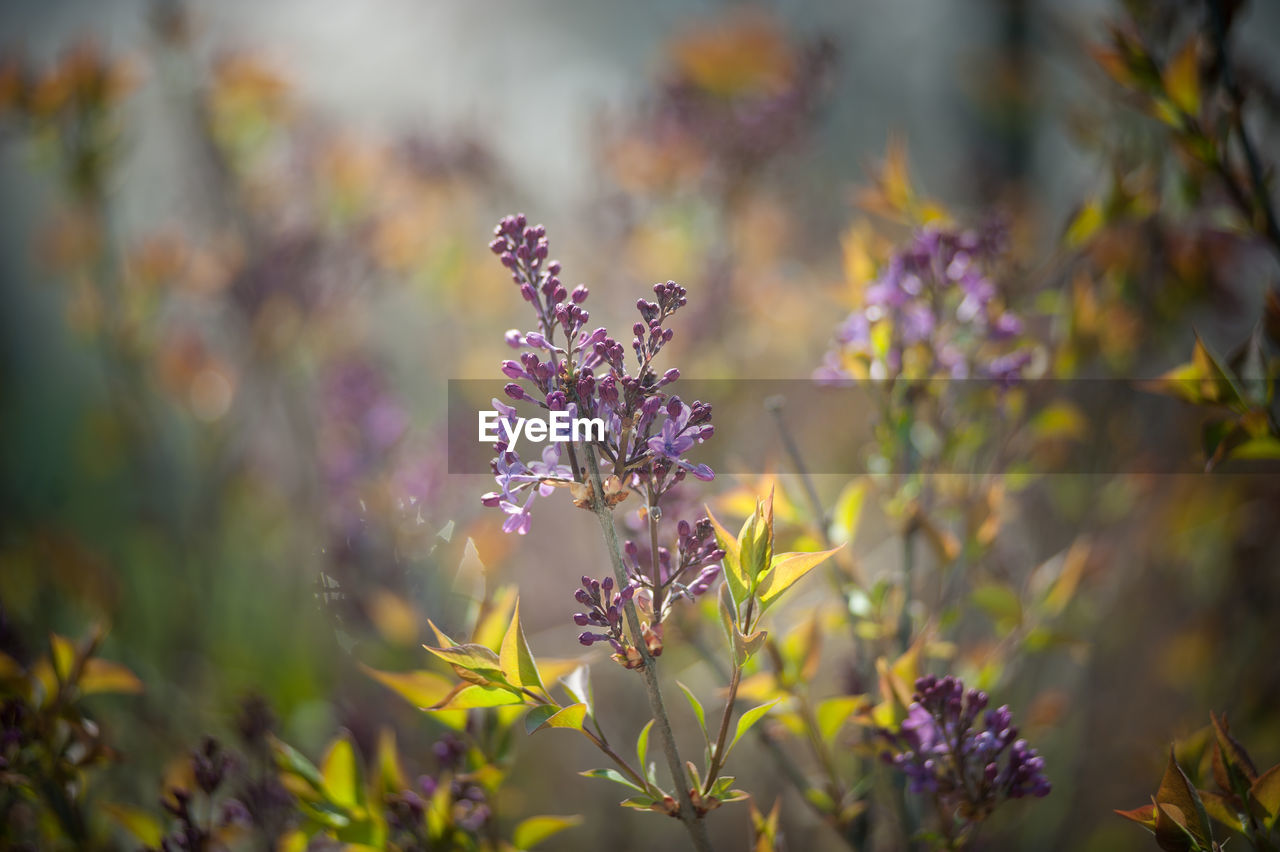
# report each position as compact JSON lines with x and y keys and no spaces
{"x":832,"y":713}
{"x":642,"y":747}
{"x":697,"y":708}
{"x":640,"y":803}
{"x":534,"y":830}
{"x":611,"y":775}
{"x":472,"y":696}
{"x":787,"y":569}
{"x":290,"y":760}
{"x":735,"y":578}
{"x":422,"y":689}
{"x":343,"y":777}
{"x":516,"y":660}
{"x":566,"y":717}
{"x":747,"y":721}
{"x":721,"y":786}
{"x":538,"y":716}
{"x":472,"y":662}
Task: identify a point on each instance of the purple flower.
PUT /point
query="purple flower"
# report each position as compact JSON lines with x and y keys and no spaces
{"x":969,"y":768}
{"x":936,"y":296}
{"x":518,"y":518}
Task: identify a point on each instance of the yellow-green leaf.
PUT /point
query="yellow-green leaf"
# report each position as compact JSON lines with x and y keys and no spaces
{"x":734,"y":576}
{"x":292,"y":761}
{"x":832,"y":713}
{"x":420,"y":688}
{"x":697,"y":708}
{"x":747,"y":721}
{"x":1262,"y":448}
{"x":786,"y":570}
{"x":1266,"y":790}
{"x":106,"y":676}
{"x":516,"y":659}
{"x":1182,"y":79}
{"x":642,"y":746}
{"x":63,"y":656}
{"x":569,"y":717}
{"x":472,"y":662}
{"x":534,"y":830}
{"x":473,"y":696}
{"x":343,"y":776}
{"x":390,"y":774}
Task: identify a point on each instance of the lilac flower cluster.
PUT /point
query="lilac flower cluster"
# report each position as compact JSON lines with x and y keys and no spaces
{"x":934,"y":312}
{"x":565,"y":366}
{"x":968,"y":769}
{"x":604,"y":611}
{"x":696,"y":563}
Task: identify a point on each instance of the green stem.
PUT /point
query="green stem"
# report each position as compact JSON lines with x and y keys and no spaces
{"x":693,"y":824}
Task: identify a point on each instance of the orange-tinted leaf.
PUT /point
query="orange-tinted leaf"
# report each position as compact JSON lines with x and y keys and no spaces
{"x":1144,"y":816}
{"x":106,"y":676}
{"x":1178,"y":798}
{"x":1266,"y":792}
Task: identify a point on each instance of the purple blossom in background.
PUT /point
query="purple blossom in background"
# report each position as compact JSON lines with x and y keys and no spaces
{"x":934,"y":311}
{"x":946,"y":753}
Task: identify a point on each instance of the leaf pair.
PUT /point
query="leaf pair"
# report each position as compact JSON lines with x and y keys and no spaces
{"x":753,"y":572}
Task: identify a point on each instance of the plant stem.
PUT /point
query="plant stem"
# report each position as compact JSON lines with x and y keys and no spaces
{"x":717,"y":757}
{"x":793,"y":773}
{"x":693,"y":824}
{"x":617,"y":759}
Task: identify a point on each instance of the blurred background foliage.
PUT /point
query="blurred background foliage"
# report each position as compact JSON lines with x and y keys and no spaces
{"x":244,"y":249}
